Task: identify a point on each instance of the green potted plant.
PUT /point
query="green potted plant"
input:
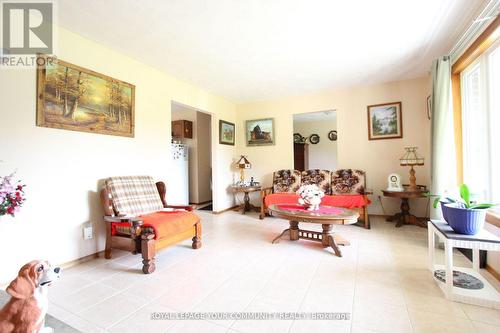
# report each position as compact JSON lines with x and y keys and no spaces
{"x":464,"y":215}
{"x":442,"y":200}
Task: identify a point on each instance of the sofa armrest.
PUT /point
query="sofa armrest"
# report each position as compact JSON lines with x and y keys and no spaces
{"x":162,"y":190}
{"x":265,"y":191}
{"x":188,"y":208}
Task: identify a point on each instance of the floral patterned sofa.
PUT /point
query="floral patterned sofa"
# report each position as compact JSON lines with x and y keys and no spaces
{"x":343,"y":188}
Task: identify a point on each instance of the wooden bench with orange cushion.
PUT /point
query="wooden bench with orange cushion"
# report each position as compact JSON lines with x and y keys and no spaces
{"x":157,"y":225}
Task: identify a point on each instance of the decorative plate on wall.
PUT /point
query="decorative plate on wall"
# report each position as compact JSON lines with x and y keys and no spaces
{"x":332,"y":135}
{"x":314,"y":139}
{"x":298,"y":138}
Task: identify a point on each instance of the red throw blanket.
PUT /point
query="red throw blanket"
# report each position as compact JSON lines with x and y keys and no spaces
{"x":345,"y":201}
{"x":165,"y":224}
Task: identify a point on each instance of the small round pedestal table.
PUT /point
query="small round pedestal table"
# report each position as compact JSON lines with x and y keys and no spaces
{"x":404,"y":216}
{"x":247,"y":206}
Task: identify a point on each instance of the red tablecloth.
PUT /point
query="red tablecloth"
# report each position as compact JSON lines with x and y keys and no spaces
{"x":345,"y":201}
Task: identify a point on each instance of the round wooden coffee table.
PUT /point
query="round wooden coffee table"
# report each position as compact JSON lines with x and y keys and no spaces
{"x":327,"y":216}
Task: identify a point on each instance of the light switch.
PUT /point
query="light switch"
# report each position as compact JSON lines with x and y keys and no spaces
{"x":88,"y":232}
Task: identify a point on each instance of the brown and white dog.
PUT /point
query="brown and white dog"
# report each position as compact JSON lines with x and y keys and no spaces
{"x":26,"y":310}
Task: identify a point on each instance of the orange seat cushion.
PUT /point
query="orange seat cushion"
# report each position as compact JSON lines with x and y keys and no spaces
{"x":345,"y":201}
{"x":164,"y":224}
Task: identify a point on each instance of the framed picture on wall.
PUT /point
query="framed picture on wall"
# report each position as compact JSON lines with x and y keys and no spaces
{"x":260,"y":132}
{"x":75,"y":98}
{"x":385,"y":121}
{"x":226,"y":133}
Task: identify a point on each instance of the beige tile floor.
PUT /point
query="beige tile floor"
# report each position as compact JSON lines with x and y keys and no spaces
{"x":382,"y":280}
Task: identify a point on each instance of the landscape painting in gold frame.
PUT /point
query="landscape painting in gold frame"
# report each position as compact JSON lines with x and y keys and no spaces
{"x":78,"y":99}
{"x":385,"y":121}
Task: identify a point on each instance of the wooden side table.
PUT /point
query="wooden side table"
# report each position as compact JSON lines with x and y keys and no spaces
{"x":247,"y":206}
{"x":404,"y":216}
{"x":484,"y":240}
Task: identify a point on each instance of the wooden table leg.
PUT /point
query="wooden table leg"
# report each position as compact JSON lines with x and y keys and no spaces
{"x":412,"y":219}
{"x":328,"y":239}
{"x":277,"y":239}
{"x":393,"y":218}
{"x":247,"y":207}
{"x":405,"y":217}
{"x":405,"y":212}
{"x":294,"y":230}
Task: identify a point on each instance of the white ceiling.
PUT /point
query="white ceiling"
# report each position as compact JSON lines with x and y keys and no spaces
{"x":248,"y":50}
{"x":328,"y":115}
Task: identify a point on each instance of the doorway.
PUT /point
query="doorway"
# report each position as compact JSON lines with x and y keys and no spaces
{"x":315,"y":140}
{"x":192,"y":156}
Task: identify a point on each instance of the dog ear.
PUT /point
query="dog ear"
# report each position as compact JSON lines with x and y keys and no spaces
{"x":21,"y":287}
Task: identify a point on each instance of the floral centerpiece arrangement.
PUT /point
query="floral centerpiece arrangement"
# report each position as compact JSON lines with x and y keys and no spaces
{"x":11,"y":195}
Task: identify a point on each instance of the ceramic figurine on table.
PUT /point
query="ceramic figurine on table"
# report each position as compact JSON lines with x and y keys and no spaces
{"x":310,"y":196}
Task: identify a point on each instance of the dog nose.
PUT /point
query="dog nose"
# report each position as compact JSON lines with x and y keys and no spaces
{"x":57,"y":269}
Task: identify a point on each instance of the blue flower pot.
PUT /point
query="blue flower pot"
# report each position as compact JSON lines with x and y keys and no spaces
{"x":464,"y":221}
{"x":444,"y":210}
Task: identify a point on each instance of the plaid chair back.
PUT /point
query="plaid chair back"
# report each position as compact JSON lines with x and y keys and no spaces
{"x":134,"y":195}
{"x":286,"y":181}
{"x":348,"y":181}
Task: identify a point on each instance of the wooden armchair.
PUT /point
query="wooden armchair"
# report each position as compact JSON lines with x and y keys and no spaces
{"x":137,"y":221}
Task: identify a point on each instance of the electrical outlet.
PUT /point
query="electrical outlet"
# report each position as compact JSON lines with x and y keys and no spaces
{"x":88,"y":232}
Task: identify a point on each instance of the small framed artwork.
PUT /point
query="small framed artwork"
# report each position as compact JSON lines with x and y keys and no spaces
{"x":226,"y":133}
{"x":385,"y":121}
{"x":260,"y":132}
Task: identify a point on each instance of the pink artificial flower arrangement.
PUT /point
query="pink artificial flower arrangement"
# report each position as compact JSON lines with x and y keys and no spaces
{"x":11,"y":195}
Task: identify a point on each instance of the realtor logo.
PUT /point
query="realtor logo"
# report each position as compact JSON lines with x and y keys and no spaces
{"x":27,"y":27}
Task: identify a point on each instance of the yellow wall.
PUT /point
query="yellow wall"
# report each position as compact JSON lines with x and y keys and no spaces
{"x":62,"y":168}
{"x":378,"y":158}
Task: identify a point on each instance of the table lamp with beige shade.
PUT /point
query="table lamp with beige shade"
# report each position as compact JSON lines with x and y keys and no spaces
{"x":242,"y":164}
{"x":410,"y":158}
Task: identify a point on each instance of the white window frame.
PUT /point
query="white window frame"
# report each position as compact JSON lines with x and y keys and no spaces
{"x":486,"y":110}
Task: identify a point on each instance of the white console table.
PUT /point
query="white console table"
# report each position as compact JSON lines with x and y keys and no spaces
{"x":487,"y":296}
